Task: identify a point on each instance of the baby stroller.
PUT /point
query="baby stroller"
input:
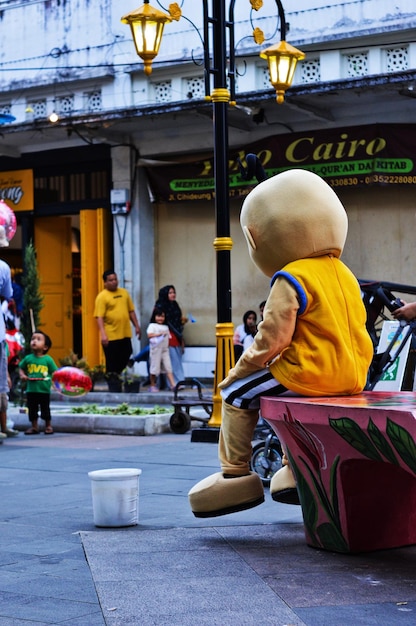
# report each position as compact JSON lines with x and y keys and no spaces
{"x":378,"y":298}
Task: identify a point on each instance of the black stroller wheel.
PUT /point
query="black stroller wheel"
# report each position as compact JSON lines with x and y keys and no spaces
{"x":180,"y":422}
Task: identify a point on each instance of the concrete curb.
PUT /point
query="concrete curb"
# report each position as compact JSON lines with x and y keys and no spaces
{"x":104,"y":398}
{"x":64,"y":421}
{"x":88,"y":423}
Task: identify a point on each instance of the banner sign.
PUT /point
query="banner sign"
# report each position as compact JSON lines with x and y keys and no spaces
{"x":16,"y":189}
{"x":352,"y":157}
{"x":392,"y":378}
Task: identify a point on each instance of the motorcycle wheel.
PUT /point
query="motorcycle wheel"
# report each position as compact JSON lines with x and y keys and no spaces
{"x":264,"y":466}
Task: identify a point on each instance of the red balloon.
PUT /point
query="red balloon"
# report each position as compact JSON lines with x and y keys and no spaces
{"x":71,"y":381}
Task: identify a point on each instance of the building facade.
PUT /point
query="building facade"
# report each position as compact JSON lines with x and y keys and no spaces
{"x":348,"y":116}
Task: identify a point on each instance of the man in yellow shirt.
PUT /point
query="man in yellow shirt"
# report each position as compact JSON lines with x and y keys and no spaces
{"x":114,"y":312}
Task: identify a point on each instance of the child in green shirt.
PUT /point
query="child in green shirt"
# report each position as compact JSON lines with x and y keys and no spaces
{"x":37,"y":369}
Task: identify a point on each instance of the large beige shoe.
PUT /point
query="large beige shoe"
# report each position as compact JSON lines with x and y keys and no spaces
{"x":216,"y":495}
{"x":283,"y":487}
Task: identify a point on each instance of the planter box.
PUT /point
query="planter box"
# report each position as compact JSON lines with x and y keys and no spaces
{"x":99,"y":384}
{"x":92,"y":423}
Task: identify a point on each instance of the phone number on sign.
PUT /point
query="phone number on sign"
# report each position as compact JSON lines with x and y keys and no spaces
{"x":374,"y":178}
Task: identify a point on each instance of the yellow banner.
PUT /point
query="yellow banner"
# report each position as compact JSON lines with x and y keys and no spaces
{"x":16,"y":189}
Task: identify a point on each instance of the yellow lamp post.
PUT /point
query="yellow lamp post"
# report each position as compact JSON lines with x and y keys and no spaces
{"x":282,"y":59}
{"x":148,"y":22}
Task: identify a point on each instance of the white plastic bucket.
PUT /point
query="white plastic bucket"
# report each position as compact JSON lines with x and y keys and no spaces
{"x":115,"y":496}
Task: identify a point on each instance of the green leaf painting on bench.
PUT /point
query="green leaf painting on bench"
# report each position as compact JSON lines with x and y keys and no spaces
{"x":376,"y":446}
{"x":403,"y":442}
{"x":397,"y":443}
{"x":352,"y":433}
{"x":328,"y":533}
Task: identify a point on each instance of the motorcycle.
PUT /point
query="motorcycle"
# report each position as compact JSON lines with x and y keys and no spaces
{"x":266,"y":456}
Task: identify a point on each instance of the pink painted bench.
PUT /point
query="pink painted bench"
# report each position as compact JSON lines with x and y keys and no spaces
{"x":354,"y":460}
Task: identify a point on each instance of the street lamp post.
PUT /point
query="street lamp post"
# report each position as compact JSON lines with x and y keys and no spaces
{"x":282,"y":59}
{"x":220,"y":97}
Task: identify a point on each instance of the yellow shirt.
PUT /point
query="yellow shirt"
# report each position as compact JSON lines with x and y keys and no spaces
{"x":313,"y":336}
{"x":115,"y":307}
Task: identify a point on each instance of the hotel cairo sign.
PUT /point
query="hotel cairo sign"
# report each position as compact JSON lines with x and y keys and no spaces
{"x":351,"y":157}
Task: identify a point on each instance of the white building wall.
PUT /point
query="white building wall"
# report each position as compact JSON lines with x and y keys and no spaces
{"x":380,"y":246}
{"x":81,"y":49}
{"x":73,"y":48}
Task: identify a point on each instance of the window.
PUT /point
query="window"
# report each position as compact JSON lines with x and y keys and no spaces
{"x":397,"y":59}
{"x":162,"y":91}
{"x":65,"y":104}
{"x":195,"y":87}
{"x":36,"y":109}
{"x":356,"y":64}
{"x":92,"y":101}
{"x":310,"y":71}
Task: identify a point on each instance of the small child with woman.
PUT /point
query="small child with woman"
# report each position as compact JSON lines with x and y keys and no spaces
{"x":36,"y":369}
{"x":158,"y":333}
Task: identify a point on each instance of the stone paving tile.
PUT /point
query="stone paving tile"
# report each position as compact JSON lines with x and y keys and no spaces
{"x":198,"y":601}
{"x":309,"y":580}
{"x":44,"y":607}
{"x":41,"y":580}
{"x":131,"y":541}
{"x":360,"y":615}
{"x":339,"y":588}
{"x":39,"y":545}
{"x":93,"y":619}
{"x":9,"y":620}
{"x":179,"y":574}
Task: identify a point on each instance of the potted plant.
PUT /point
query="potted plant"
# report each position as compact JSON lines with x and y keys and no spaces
{"x":72,"y":360}
{"x":32,"y":297}
{"x":131,"y":382}
{"x":98,"y":377}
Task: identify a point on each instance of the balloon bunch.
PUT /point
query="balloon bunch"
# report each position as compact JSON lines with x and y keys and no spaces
{"x":71,"y":381}
{"x":7,"y":224}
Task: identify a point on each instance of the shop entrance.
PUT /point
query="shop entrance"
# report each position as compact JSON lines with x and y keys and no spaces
{"x":65,"y":211}
{"x":71,"y":261}
{"x":53,"y":238}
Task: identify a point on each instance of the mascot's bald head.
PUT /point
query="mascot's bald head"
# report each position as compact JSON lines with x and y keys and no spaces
{"x":294,"y":215}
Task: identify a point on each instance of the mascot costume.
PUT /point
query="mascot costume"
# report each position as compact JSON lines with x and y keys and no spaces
{"x":312,"y":340}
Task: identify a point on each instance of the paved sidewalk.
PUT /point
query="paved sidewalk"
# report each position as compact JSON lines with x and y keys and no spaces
{"x":172,"y":569}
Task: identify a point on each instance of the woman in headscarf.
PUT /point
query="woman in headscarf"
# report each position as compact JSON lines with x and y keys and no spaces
{"x":175,"y":321}
{"x":244,"y":333}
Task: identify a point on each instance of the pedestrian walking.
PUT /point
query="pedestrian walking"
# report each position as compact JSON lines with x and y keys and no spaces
{"x":176,"y":321}
{"x":114,"y":312}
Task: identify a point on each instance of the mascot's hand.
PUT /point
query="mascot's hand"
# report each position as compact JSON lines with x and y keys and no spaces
{"x":231,"y":377}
